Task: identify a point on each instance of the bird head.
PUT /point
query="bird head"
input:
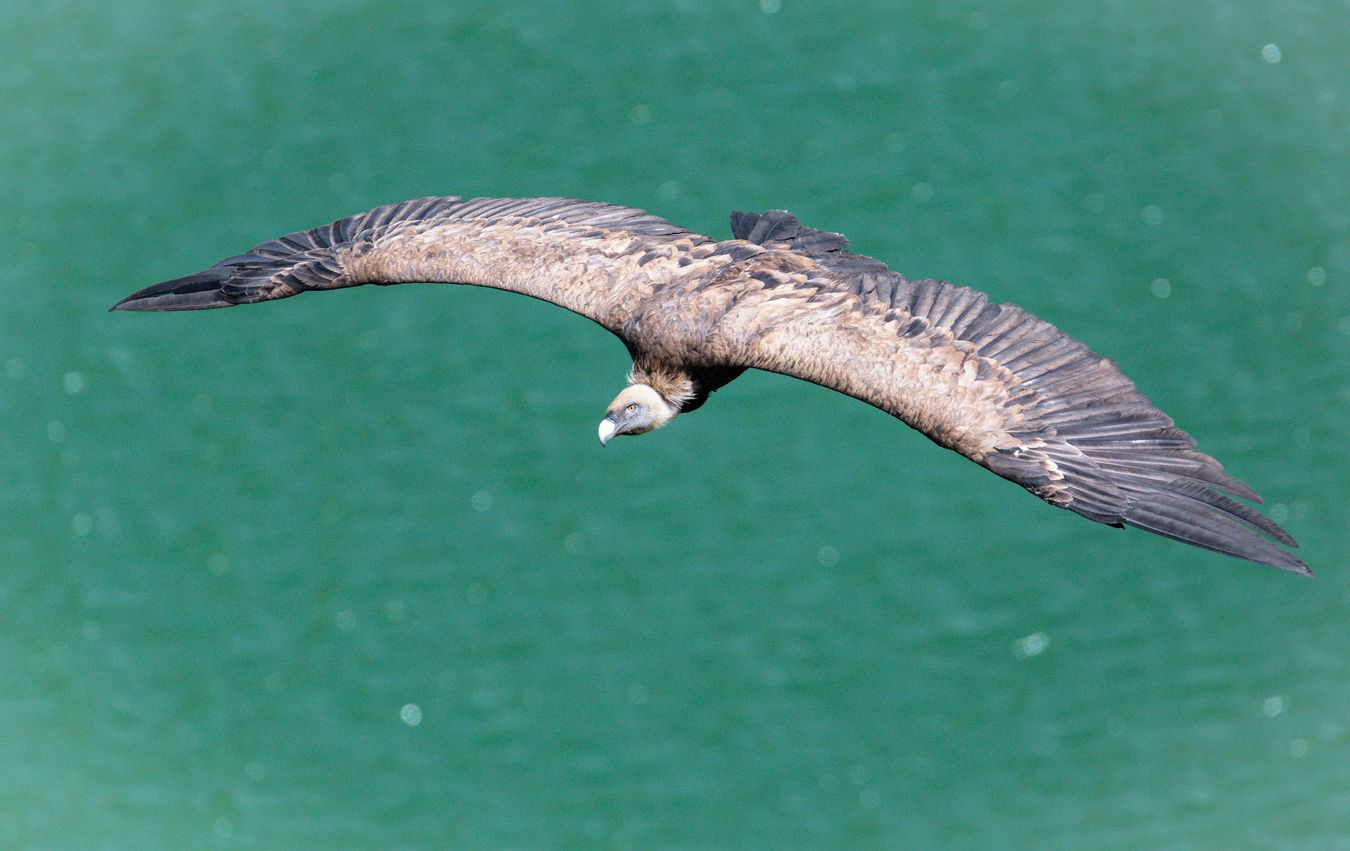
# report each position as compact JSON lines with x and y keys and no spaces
{"x":636,"y":410}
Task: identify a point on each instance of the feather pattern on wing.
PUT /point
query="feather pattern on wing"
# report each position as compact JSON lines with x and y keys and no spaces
{"x":598,"y":260}
{"x":1046,"y":411}
{"x":990,"y":381}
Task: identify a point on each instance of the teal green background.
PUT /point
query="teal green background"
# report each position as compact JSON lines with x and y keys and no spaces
{"x":351,"y":571}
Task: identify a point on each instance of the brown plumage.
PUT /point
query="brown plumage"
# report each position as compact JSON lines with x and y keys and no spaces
{"x":989,"y":381}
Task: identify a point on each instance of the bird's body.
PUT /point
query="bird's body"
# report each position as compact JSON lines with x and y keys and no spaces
{"x":989,"y":381}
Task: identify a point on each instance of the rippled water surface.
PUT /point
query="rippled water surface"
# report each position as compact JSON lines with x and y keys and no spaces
{"x":350,"y":570}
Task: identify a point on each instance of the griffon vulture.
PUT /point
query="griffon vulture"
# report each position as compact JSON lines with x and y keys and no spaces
{"x":990,"y":381}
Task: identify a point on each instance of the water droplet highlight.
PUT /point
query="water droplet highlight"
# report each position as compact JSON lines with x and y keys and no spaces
{"x":1031,"y":645}
{"x":411,"y":714}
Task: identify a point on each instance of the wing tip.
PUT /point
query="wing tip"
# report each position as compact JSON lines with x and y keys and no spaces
{"x":1211,"y":529}
{"x":1280,"y":558}
{"x":1286,"y":561}
{"x":201,"y":291}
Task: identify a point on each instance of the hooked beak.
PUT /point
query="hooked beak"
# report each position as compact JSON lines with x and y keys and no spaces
{"x":608,"y":426}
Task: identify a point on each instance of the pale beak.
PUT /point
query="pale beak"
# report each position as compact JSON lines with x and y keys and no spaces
{"x":608,"y":426}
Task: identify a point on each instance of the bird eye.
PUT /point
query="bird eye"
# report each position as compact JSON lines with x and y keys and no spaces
{"x":631,"y":409}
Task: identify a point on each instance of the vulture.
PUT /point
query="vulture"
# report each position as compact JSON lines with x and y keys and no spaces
{"x":1006,"y":390}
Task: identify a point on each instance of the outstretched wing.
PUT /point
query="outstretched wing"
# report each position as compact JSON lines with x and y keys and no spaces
{"x":994,"y":383}
{"x":598,"y":260}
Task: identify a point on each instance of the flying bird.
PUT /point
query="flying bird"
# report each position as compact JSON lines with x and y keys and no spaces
{"x":990,"y":381}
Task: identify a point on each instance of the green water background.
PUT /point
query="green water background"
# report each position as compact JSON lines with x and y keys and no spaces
{"x":351,"y":571}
